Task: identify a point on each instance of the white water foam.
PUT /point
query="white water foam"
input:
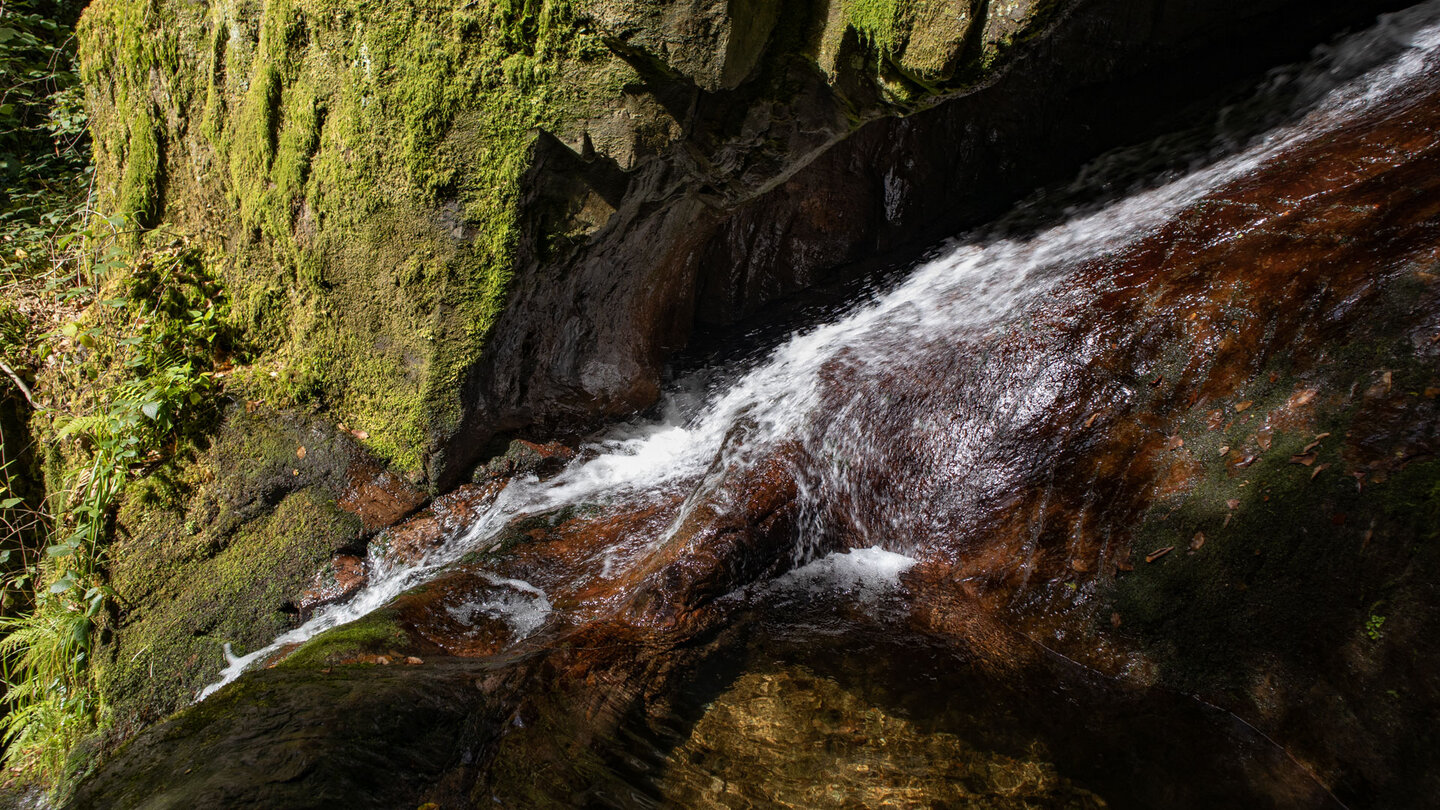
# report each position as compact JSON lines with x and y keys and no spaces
{"x":518,"y":603}
{"x":973,"y":285}
{"x":864,"y":573}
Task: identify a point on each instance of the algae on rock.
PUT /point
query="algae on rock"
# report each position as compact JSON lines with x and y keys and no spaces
{"x":363,"y":166}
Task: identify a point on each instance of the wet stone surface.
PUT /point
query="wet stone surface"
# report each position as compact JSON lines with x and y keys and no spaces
{"x":1167,"y":523}
{"x":822,"y":747}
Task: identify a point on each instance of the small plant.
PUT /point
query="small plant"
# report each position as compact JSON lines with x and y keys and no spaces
{"x":130,"y":375}
{"x":1373,"y":625}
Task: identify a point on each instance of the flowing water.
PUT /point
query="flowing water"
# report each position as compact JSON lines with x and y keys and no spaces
{"x":790,"y":519}
{"x":974,"y":294}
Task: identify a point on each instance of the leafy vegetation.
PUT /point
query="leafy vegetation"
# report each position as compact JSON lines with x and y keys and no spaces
{"x":125,"y":384}
{"x":123,"y":341}
{"x":44,"y":150}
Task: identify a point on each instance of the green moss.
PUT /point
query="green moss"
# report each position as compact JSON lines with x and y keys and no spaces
{"x":181,"y":598}
{"x":375,"y":634}
{"x":140,"y":182}
{"x":878,"y":21}
{"x":361,"y":166}
{"x":342,"y":135}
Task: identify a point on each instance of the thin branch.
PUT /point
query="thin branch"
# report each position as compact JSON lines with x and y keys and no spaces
{"x":24,"y":389}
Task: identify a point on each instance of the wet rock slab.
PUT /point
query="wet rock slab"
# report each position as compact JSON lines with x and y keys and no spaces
{"x":359,"y":737}
{"x":1156,"y":486}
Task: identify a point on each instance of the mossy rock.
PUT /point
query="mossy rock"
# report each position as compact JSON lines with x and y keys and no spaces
{"x":378,"y":633}
{"x":177,"y":613}
{"x":298,"y":738}
{"x":215,"y":549}
{"x":364,"y":173}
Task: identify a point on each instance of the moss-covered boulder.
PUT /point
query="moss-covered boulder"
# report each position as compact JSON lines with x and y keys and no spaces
{"x":297,"y":738}
{"x":217,"y":551}
{"x":446,"y":220}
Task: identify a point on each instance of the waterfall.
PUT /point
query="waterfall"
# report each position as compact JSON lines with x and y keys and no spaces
{"x":943,"y":330}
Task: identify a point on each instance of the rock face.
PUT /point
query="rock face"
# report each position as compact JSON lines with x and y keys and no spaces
{"x":451,"y":222}
{"x":448,"y":223}
{"x":1189,"y":562}
{"x":227,"y":552}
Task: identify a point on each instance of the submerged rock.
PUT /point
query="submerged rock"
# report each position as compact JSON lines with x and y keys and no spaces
{"x":819,"y":746}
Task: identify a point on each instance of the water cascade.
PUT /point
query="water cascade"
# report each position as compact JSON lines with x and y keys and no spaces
{"x":929,"y":500}
{"x":933,"y":380}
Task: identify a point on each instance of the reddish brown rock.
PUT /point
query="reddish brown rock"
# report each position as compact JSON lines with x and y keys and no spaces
{"x":449,"y":513}
{"x":526,"y":458}
{"x":379,"y":497}
{"x":463,"y":613}
{"x":338,"y":580}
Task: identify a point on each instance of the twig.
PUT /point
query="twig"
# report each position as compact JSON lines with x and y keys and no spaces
{"x":24,"y":389}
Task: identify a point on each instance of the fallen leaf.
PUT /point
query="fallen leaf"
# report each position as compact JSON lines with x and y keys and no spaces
{"x":1263,"y":439}
{"x":1233,"y":503}
{"x":1304,"y":458}
{"x":1388,"y":378}
{"x":1158,"y":553}
{"x":1197,"y":541}
{"x":383,"y":660}
{"x":412,"y":660}
{"x":360,"y":434}
{"x":1224,"y":449}
{"x":300,"y":453}
{"x":1432,"y":392}
{"x":1091,"y":420}
{"x":1359,"y":481}
{"x":1319,"y":436}
{"x":1174,"y":443}
{"x":342,"y":427}
{"x":1302,"y":397}
{"x":1241,"y":407}
{"x":1115,"y":620}
{"x":294,"y":472}
{"x":1080,"y":566}
{"x":1228,"y":515}
{"x":1318,"y":468}
{"x":1245,"y":462}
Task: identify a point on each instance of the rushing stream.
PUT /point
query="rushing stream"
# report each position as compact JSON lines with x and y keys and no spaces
{"x":949,"y":330}
{"x":879,"y":561}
